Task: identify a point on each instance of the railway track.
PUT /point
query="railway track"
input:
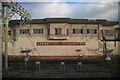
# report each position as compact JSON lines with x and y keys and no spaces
{"x":53,"y":68}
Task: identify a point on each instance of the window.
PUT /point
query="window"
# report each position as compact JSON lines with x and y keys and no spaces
{"x":87,"y":31}
{"x":81,"y":31}
{"x":95,"y":31}
{"x":109,"y":32}
{"x":67,"y":31}
{"x":14,"y":32}
{"x":58,"y":31}
{"x":48,"y":32}
{"x":37,"y":31}
{"x":77,"y":31}
{"x":84,"y":31}
{"x":91,"y":31}
{"x":73,"y":31}
{"x":24,"y":31}
{"x":9,"y":32}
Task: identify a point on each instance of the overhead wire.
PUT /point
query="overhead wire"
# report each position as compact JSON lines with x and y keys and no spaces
{"x":28,"y":36}
{"x":100,"y":3}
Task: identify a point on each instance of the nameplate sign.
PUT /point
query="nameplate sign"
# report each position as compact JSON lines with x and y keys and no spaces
{"x":60,"y":43}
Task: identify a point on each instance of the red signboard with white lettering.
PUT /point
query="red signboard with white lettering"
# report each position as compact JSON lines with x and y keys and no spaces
{"x":59,"y":43}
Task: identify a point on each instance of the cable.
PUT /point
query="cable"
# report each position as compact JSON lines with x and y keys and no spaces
{"x":32,"y":44}
{"x":67,"y":2}
{"x":102,"y":3}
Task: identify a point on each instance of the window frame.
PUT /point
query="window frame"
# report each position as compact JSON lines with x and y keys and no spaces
{"x":58,"y":31}
{"x":77,"y":31}
{"x":24,"y":31}
{"x":38,"y":31}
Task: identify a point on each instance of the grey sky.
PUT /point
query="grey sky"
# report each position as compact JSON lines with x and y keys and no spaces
{"x":104,"y":9}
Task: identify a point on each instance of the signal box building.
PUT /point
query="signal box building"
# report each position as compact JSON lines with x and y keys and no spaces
{"x":61,"y":38}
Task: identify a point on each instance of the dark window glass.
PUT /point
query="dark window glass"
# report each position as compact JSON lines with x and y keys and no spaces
{"x":81,"y":31}
{"x":77,"y":31}
{"x":48,"y":32}
{"x":109,"y":32}
{"x":73,"y":31}
{"x":95,"y":31}
{"x":24,"y":31}
{"x":87,"y":31}
{"x":37,"y":31}
{"x":9,"y":32}
{"x":58,"y":31}
{"x":84,"y":31}
{"x":67,"y":31}
{"x":14,"y":32}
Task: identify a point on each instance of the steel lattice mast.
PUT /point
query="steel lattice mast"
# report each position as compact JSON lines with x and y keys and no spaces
{"x":8,"y":9}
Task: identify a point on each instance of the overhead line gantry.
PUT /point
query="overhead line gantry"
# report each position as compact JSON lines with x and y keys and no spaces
{"x":8,"y":10}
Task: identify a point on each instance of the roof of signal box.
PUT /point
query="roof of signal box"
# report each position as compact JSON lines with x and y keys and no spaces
{"x":103,"y":22}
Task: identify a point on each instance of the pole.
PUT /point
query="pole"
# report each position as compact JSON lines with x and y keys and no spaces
{"x":119,"y":12}
{"x":119,"y":26}
{"x":6,"y":37}
{"x":20,"y":11}
{"x":1,"y":49}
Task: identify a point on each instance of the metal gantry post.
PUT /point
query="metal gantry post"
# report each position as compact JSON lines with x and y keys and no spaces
{"x":9,"y":9}
{"x":1,"y":48}
{"x":119,"y":25}
{"x":6,"y":37}
{"x":119,"y":12}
